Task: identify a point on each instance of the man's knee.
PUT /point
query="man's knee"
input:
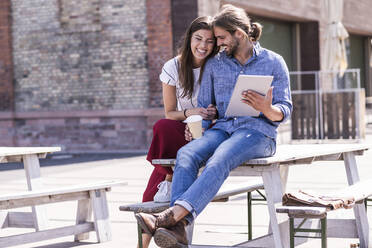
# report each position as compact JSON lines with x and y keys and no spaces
{"x":220,"y":170}
{"x":185,"y":153}
{"x":188,"y":157}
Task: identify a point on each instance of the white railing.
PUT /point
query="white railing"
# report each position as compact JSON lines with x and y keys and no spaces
{"x":321,"y":82}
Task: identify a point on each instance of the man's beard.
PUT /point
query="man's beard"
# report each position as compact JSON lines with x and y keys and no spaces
{"x":234,"y":47}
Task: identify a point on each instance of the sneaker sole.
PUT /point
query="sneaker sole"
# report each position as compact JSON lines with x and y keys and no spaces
{"x":142,"y":223}
{"x":165,"y":240}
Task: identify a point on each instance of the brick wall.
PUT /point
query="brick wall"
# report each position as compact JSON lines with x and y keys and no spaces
{"x":80,"y":131}
{"x":81,"y":73}
{"x":6,"y":64}
{"x":80,"y":134}
{"x":94,"y":58}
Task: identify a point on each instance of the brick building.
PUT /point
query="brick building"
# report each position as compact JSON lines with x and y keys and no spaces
{"x":84,"y":74}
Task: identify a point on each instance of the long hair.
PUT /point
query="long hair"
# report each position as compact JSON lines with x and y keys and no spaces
{"x":230,"y":18}
{"x":185,"y":72}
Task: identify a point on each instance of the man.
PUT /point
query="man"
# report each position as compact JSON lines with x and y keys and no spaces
{"x":231,"y":141}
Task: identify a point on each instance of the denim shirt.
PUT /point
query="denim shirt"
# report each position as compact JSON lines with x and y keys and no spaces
{"x":218,"y":81}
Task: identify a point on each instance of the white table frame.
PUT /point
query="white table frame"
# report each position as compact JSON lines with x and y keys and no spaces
{"x":274,"y":173}
{"x":30,"y":158}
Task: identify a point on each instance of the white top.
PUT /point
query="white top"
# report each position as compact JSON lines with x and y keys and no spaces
{"x":169,"y":75}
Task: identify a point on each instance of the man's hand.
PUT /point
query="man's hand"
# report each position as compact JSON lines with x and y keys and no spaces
{"x":257,"y":101}
{"x":212,"y":112}
{"x":263,"y":104}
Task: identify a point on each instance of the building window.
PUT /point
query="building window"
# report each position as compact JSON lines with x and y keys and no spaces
{"x":80,"y":15}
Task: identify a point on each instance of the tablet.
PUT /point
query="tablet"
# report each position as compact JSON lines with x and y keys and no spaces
{"x":257,"y":83}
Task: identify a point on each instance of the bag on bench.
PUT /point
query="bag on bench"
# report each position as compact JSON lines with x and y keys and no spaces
{"x":302,"y":198}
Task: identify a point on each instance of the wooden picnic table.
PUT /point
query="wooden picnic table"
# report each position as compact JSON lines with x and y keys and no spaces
{"x":91,"y":200}
{"x":30,"y":158}
{"x":274,"y":172}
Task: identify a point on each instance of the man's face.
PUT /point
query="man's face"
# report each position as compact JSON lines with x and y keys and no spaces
{"x":225,"y":40}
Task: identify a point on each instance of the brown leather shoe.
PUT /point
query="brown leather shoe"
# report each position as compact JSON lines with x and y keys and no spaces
{"x":172,"y":237}
{"x":150,"y":222}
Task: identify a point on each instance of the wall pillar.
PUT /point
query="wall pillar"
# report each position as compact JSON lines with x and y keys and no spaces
{"x":160,"y":45}
{"x":6,"y":61}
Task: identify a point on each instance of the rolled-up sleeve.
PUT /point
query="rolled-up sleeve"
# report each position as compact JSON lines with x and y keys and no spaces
{"x":282,"y":93}
{"x":206,"y":94}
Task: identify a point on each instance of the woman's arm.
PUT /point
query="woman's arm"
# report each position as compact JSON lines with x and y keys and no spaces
{"x":170,"y":103}
{"x":170,"y":106}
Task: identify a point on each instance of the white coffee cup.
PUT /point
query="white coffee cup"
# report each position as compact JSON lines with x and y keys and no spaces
{"x":194,"y":122}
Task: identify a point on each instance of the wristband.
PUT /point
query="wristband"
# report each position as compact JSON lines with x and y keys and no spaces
{"x":184,"y":113}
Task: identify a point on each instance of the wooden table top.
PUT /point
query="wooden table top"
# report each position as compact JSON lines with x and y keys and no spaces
{"x":295,"y":154}
{"x":13,"y":154}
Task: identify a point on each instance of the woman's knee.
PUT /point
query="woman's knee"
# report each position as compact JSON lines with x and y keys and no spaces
{"x":163,"y":125}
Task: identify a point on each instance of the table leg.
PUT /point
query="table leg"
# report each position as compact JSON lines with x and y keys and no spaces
{"x":32,"y":169}
{"x":4,"y":220}
{"x":83,"y":215}
{"x":359,"y":209}
{"x":274,"y":184}
{"x":101,"y":215}
{"x":284,"y":171}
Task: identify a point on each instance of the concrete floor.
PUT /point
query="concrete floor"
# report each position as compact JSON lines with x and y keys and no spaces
{"x":220,"y":223}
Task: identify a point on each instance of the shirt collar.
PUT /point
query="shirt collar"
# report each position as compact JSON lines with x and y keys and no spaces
{"x":257,"y":49}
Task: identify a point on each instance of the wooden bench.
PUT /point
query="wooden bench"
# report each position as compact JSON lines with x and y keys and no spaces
{"x":360,"y":191}
{"x":91,"y":197}
{"x":227,"y":190}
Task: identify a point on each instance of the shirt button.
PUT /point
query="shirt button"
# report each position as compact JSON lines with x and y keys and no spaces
{"x":235,"y":118}
{"x":241,"y":72}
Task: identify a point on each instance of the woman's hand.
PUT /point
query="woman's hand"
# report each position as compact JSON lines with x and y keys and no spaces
{"x":188,"y":135}
{"x":208,"y":113}
{"x":198,"y":111}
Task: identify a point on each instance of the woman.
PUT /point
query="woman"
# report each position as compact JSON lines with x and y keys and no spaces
{"x":180,"y":78}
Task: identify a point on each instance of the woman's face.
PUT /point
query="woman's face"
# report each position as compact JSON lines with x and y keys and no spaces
{"x":202,"y":43}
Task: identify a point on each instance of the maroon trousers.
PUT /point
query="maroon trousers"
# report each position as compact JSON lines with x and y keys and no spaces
{"x":168,"y":138}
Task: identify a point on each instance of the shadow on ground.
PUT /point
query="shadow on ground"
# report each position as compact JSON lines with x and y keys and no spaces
{"x":63,"y":159}
{"x":65,"y":245}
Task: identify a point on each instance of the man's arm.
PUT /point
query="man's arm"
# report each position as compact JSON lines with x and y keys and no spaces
{"x":277,"y":104}
{"x":282,"y":92}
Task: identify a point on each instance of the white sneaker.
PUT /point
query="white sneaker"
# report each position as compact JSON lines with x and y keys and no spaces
{"x":164,"y":192}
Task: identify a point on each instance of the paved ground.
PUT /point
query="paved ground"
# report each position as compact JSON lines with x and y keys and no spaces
{"x":220,"y":223}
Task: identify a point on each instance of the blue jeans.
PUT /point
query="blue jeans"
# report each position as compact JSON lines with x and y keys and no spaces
{"x":220,"y":152}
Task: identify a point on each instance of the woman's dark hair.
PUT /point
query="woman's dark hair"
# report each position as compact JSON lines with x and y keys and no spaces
{"x":230,"y":18}
{"x":185,"y":72}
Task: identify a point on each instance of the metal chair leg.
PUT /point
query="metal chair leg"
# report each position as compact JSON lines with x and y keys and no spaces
{"x":323,"y":223}
{"x":139,"y":229}
{"x":249,"y":198}
{"x":291,"y":232}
